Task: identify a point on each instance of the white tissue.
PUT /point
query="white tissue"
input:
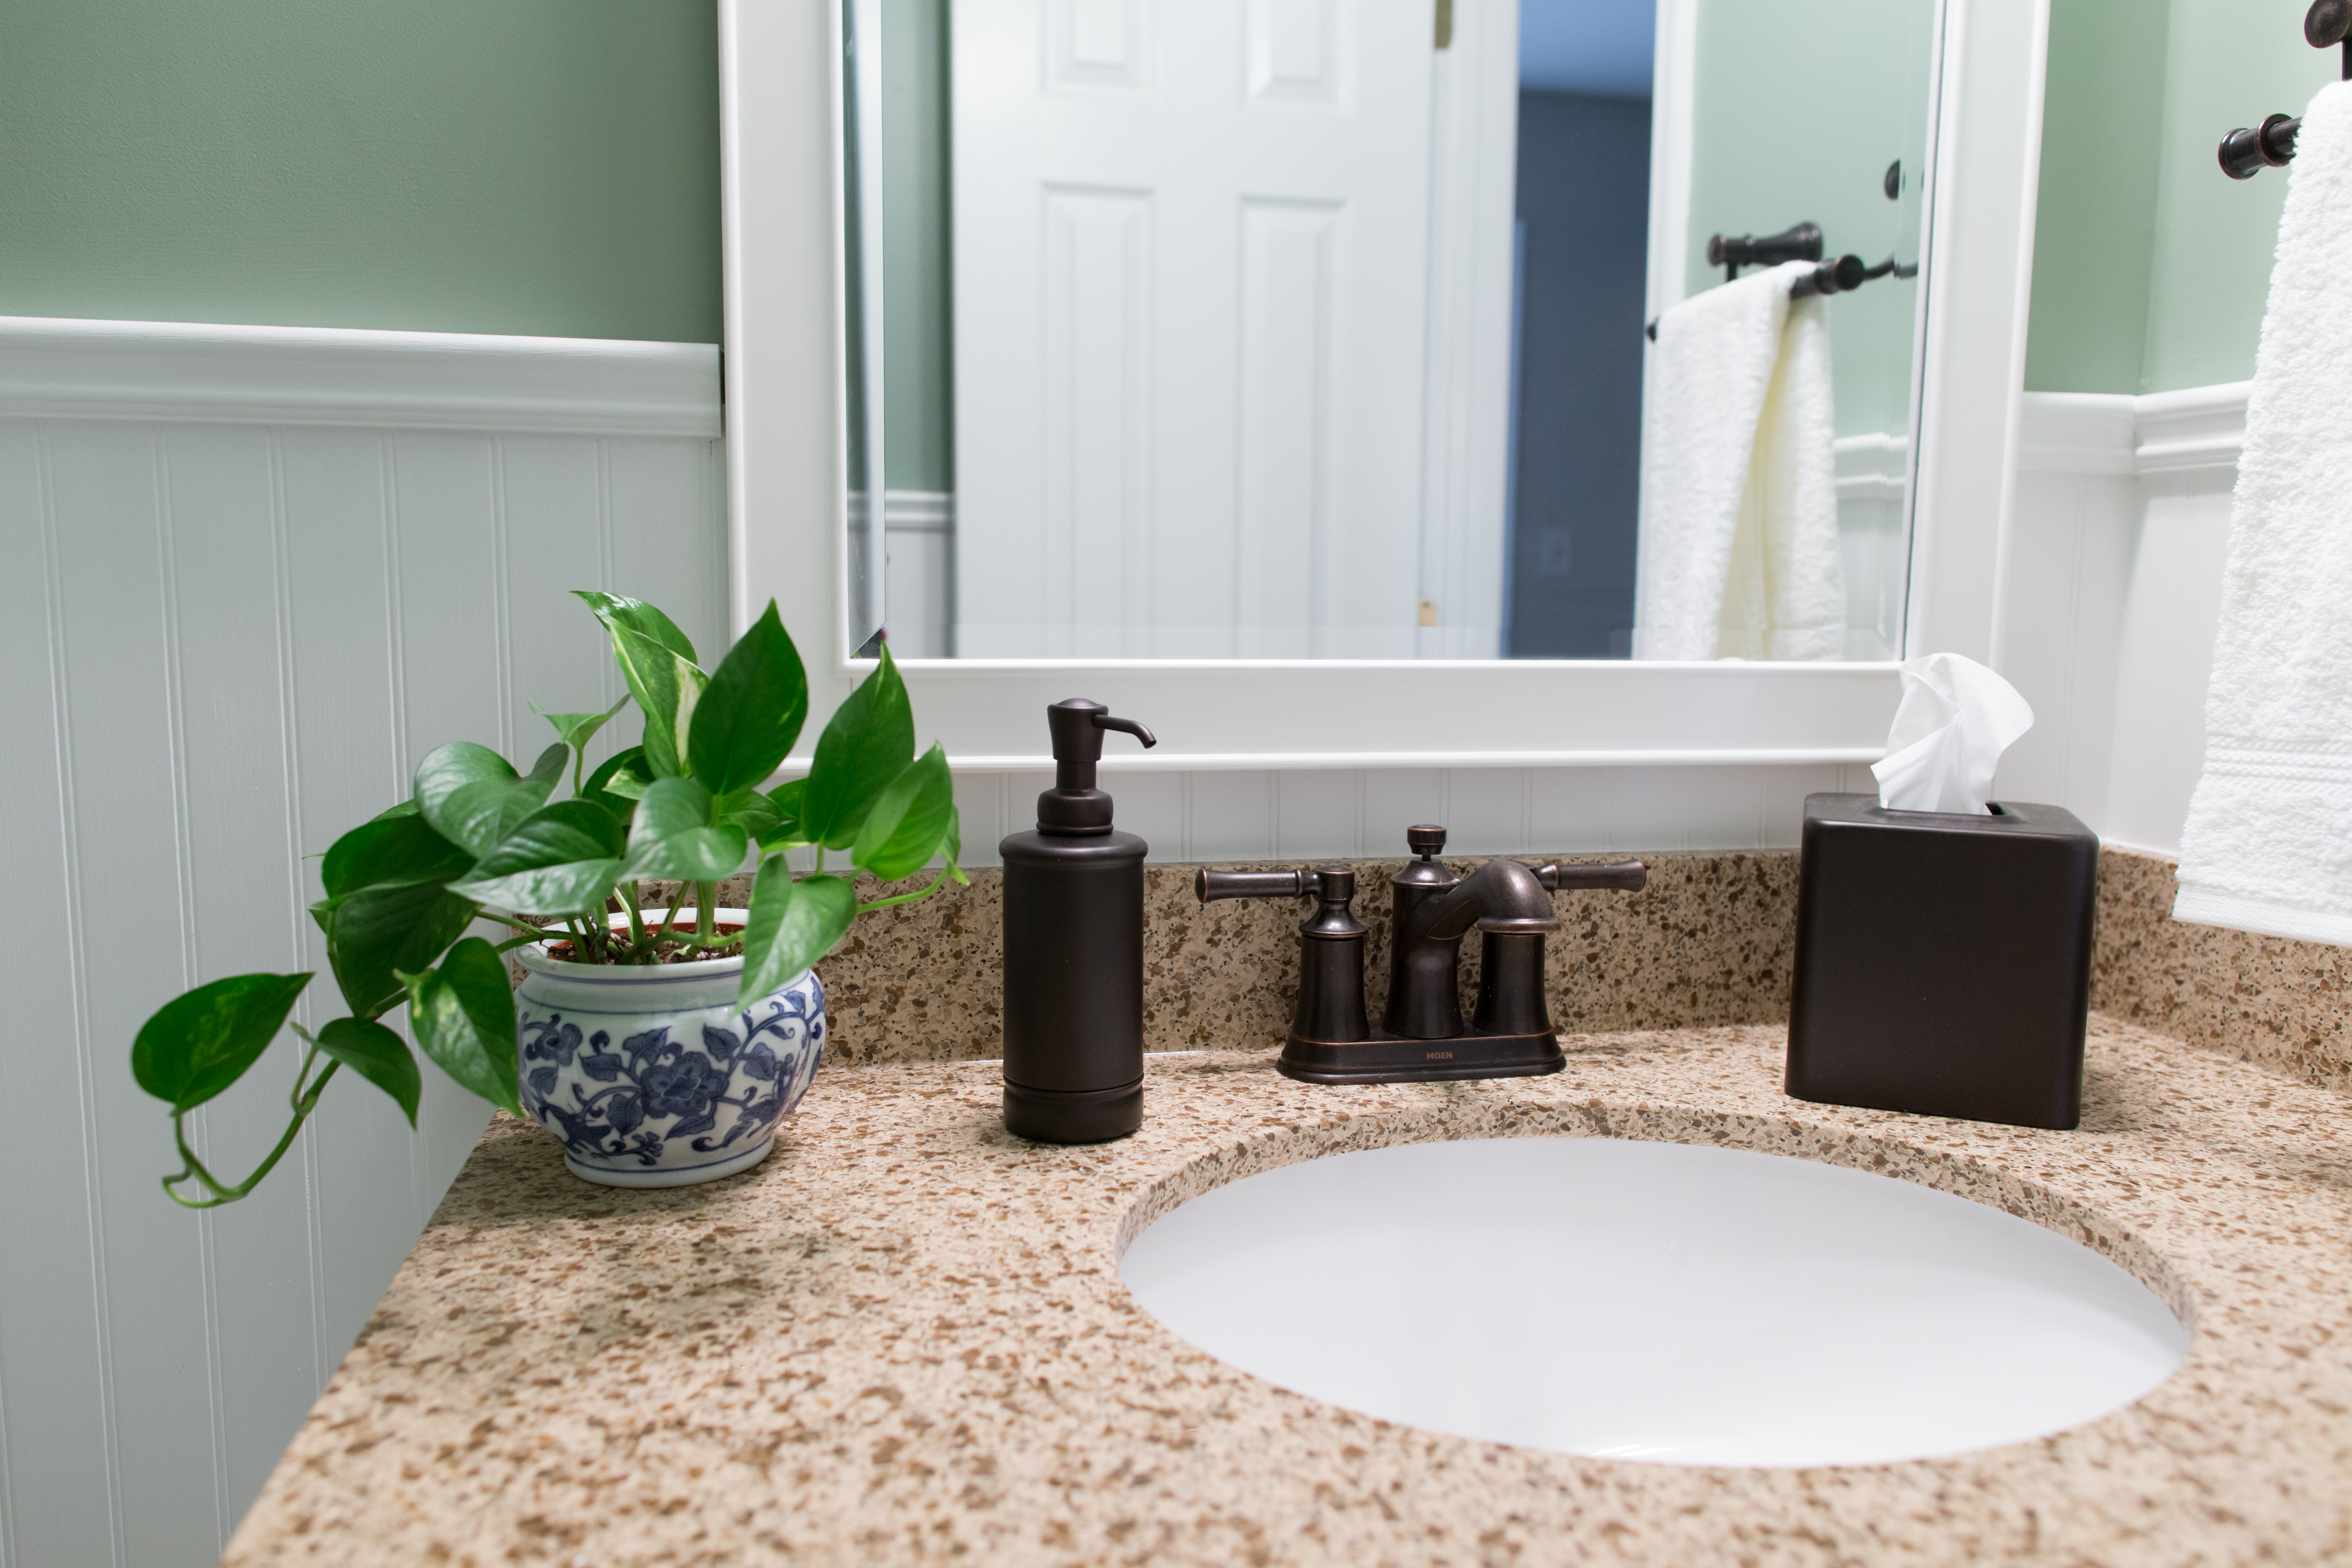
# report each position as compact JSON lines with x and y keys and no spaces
{"x":1956,"y":719}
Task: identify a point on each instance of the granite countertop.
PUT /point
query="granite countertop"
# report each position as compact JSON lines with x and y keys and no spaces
{"x":903,"y":1339}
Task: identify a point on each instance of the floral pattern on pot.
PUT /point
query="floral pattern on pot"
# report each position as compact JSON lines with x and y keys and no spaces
{"x":662,"y":1097}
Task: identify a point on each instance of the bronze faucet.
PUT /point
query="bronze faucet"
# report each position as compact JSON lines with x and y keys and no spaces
{"x":1422,"y":1035}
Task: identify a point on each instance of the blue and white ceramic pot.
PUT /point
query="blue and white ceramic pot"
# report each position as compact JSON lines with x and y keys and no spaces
{"x":654,"y":1076}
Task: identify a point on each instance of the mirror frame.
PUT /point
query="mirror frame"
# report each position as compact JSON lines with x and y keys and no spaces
{"x":781,"y":145}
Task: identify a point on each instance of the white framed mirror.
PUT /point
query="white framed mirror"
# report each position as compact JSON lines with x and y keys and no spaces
{"x":805,"y":455}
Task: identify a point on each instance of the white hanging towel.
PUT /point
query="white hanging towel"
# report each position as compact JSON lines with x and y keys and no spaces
{"x":1740,"y":530}
{"x":2268,"y":845}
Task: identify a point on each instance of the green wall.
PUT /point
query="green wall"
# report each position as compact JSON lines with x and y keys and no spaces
{"x":2152,"y":267}
{"x":1765,"y":156}
{"x":551,"y":166}
{"x":2230,"y":63}
{"x":534,"y":166}
{"x":2094,"y":234}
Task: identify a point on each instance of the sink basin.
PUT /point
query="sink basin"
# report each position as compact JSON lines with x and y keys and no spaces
{"x":1661,"y":1301}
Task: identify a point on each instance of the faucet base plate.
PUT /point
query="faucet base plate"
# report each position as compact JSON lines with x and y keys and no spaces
{"x":1393,"y":1059}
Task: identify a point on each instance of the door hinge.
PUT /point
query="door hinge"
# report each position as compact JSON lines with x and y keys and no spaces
{"x":1444,"y":23}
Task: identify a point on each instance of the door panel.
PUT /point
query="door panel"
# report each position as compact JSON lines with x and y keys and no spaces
{"x":1190,"y":267}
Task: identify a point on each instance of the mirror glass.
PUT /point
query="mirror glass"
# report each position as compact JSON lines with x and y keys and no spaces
{"x":1383,"y":328}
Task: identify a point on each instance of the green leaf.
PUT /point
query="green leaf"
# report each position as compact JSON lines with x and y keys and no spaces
{"x":378,"y":1055}
{"x":391,"y":849}
{"x":789,"y":801}
{"x":791,"y":926}
{"x":951,"y":847}
{"x":751,"y":715}
{"x":750,"y":811}
{"x":698,"y":854}
{"x":562,"y":859}
{"x":657,"y":660}
{"x":867,"y":743}
{"x":677,"y":834}
{"x":618,"y":782}
{"x":463,"y":1014}
{"x":449,"y":769}
{"x":374,"y":934}
{"x":472,"y":797}
{"x":201,"y":1042}
{"x":619,"y":613}
{"x":909,"y":819}
{"x":666,"y":685}
{"x":674,"y":806}
{"x":578,"y":729}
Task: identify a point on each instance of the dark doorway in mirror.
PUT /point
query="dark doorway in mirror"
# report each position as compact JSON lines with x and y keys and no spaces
{"x":1583,"y":204}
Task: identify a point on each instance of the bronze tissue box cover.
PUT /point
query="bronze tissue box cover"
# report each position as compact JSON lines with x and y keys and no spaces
{"x":1943,"y":962}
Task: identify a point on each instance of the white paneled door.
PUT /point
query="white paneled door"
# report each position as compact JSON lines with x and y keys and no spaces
{"x":1191,"y":276}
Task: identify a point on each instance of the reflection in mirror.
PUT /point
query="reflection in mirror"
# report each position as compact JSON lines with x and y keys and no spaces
{"x":863,"y":327}
{"x":1383,"y":328}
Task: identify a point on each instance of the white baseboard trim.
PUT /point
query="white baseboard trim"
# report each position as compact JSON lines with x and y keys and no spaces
{"x":52,"y":368}
{"x":2194,"y":430}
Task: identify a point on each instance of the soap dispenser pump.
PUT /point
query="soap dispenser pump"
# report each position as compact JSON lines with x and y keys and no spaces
{"x":1074,"y":949}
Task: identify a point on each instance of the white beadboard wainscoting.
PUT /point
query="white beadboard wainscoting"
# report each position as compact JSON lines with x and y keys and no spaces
{"x":251,"y":576}
{"x":2111,"y":595}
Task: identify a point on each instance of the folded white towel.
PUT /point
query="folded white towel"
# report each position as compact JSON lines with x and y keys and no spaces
{"x":2268,"y":845}
{"x":1740,"y":531}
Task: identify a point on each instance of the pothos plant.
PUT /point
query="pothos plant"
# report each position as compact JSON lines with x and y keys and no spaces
{"x":478,"y":840}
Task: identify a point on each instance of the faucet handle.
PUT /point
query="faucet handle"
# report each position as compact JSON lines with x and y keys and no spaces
{"x":1211,"y":885}
{"x":1629,"y":876}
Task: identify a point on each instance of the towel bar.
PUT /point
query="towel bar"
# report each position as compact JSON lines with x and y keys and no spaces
{"x":1798,"y":242}
{"x":1847,"y":272}
{"x":2248,"y":150}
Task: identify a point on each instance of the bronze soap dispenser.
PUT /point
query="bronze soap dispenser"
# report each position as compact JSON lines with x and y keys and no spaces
{"x":1074,"y":950}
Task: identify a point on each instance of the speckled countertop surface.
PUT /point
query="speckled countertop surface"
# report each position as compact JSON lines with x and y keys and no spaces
{"x":903,"y":1339}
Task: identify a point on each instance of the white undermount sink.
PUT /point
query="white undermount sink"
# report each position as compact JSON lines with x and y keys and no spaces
{"x":1661,"y":1301}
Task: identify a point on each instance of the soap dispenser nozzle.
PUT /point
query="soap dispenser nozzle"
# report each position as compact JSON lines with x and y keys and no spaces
{"x":1074,"y":807}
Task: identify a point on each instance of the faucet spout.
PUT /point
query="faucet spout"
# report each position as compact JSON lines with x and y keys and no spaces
{"x":1500,"y":896}
{"x":1512,"y":909}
